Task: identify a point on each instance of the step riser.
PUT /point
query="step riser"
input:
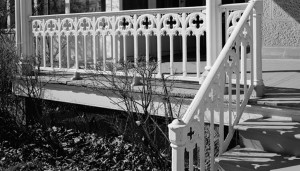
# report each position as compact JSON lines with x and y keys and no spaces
{"x":270,"y":143}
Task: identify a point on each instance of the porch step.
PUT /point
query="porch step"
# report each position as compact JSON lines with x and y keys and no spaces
{"x":249,"y":159}
{"x":271,"y":135}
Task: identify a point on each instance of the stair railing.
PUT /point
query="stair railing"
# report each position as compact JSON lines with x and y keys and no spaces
{"x":221,"y":99}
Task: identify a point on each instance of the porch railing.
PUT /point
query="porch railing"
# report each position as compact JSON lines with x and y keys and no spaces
{"x":80,"y":42}
{"x":194,"y":143}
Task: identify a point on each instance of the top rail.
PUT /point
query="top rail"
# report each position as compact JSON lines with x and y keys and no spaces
{"x":126,"y":12}
{"x":237,"y":6}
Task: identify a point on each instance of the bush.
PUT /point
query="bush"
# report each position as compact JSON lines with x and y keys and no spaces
{"x":62,"y":149}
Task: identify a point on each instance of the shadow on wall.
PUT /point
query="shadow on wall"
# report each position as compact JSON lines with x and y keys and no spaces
{"x":284,"y":9}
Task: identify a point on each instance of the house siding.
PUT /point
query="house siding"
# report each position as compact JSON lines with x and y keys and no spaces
{"x":281,"y":29}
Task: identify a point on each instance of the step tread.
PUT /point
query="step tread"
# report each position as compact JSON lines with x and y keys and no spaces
{"x":252,"y":159}
{"x":273,"y":126}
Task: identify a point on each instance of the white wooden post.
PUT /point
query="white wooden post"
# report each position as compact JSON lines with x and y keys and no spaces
{"x":176,"y":136}
{"x":210,"y":33}
{"x":18,"y":27}
{"x":257,"y":49}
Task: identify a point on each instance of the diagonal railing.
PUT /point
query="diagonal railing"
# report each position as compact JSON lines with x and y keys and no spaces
{"x":222,"y":97}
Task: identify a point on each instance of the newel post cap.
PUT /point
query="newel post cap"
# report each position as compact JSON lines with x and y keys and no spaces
{"x":176,"y":132}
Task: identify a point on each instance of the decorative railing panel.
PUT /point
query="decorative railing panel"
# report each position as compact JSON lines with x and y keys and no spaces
{"x":223,"y":95}
{"x":83,"y":41}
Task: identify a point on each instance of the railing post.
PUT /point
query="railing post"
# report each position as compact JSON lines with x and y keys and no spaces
{"x":212,"y":47}
{"x":210,"y":33}
{"x":176,"y":132}
{"x":257,"y":50}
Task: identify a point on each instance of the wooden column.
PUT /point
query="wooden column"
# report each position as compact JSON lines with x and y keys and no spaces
{"x":18,"y":27}
{"x":257,"y":49}
{"x":211,"y":42}
{"x":26,"y":32}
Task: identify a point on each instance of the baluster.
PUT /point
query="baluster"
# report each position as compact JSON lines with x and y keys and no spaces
{"x":238,"y":86}
{"x":36,"y":45}
{"x":191,"y":159}
{"x":171,"y":53}
{"x":198,"y":48}
{"x":44,"y":49}
{"x":147,"y":48}
{"x":85,"y":50}
{"x":76,"y":51}
{"x":202,"y":139}
{"x":124,"y":49}
{"x":221,"y":106}
{"x":243,"y":62}
{"x":115,"y":50}
{"x":211,"y":136}
{"x":59,"y":44}
{"x":158,"y":34}
{"x":68,"y":50}
{"x":104,"y":52}
{"x":135,"y":43}
{"x":59,"y":50}
{"x":230,"y":96}
{"x":94,"y":34}
{"x":251,"y":49}
{"x":51,"y":51}
{"x":184,"y":48}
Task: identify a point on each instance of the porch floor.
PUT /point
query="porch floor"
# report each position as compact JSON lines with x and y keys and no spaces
{"x":282,"y":83}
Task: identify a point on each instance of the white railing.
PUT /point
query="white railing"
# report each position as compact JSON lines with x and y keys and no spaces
{"x":193,"y":146}
{"x":79,"y":42}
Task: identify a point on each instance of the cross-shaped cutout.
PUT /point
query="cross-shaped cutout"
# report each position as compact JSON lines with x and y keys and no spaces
{"x":146,"y":22}
{"x":85,"y":25}
{"x":103,"y":23}
{"x":124,"y":23}
{"x":36,"y":26}
{"x":51,"y":26}
{"x":68,"y":25}
{"x":198,"y":21}
{"x":191,"y":133}
{"x":171,"y":22}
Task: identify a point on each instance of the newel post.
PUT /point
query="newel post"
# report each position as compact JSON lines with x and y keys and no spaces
{"x":176,"y":136}
{"x":257,"y":49}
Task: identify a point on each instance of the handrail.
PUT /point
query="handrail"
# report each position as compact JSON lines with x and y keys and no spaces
{"x":204,"y":87}
{"x":237,"y":6}
{"x":125,"y":12}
